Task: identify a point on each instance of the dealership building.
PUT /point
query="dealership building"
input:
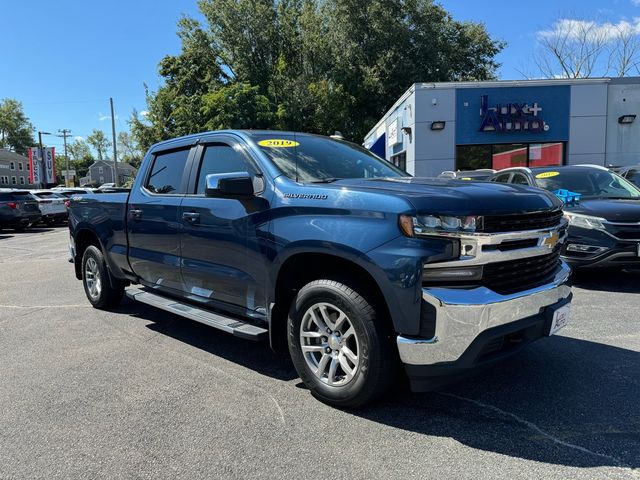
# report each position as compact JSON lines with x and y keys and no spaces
{"x":435,"y":127}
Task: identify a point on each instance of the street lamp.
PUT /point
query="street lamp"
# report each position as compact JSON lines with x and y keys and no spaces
{"x":42,"y":156}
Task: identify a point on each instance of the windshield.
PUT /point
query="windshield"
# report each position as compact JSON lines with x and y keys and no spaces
{"x":590,"y":183}
{"x":309,"y":159}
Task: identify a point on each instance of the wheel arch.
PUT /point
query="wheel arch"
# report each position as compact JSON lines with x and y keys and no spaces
{"x":84,"y":237}
{"x":300,"y":268}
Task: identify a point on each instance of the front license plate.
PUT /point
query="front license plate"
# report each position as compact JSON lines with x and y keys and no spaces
{"x":560,"y":319}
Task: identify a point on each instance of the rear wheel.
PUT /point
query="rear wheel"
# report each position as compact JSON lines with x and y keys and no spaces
{"x":96,"y":281}
{"x":339,"y":345}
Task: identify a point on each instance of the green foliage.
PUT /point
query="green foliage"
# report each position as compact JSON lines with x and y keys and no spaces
{"x":99,"y":141}
{"x":238,"y":105}
{"x":81,"y":156}
{"x":310,"y":65}
{"x":16,"y":131}
{"x":128,"y":150}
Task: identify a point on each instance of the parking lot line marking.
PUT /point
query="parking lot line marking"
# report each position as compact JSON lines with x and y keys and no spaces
{"x":45,"y":306}
{"x":536,"y":428}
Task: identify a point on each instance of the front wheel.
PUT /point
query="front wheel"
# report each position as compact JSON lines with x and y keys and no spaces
{"x":96,"y":281}
{"x":339,"y":346}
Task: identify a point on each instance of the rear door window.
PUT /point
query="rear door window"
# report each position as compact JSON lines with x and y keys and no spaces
{"x":633,"y":176}
{"x":519,"y":179}
{"x":167,"y":172}
{"x":22,"y":196}
{"x":502,"y":178}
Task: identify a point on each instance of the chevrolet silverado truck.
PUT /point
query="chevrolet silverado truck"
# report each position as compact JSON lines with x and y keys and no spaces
{"x":328,"y":251}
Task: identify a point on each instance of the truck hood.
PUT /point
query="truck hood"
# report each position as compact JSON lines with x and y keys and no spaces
{"x":613,"y":210}
{"x":458,"y":197}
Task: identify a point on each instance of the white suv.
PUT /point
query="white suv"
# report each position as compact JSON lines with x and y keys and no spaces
{"x":52,"y":205}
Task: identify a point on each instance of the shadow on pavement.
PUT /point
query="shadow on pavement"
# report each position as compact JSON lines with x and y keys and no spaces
{"x":255,"y":356}
{"x":560,"y":401}
{"x":3,"y":236}
{"x":627,"y":281}
{"x":557,"y":398}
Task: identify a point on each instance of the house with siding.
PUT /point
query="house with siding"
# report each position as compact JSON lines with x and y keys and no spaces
{"x":101,"y":172}
{"x":14,"y":170}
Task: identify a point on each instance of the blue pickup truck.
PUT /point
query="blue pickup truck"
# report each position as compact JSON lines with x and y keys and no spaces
{"x":322,"y":248}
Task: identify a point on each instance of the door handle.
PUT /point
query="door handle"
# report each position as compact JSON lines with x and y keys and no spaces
{"x":136,"y":213}
{"x":191,"y":217}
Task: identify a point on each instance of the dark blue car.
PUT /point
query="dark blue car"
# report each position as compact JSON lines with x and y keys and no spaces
{"x":326,"y":250}
{"x":603,"y":210}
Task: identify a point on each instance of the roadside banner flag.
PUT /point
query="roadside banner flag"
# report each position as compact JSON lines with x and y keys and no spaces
{"x":49,"y":164}
{"x":34,"y":166}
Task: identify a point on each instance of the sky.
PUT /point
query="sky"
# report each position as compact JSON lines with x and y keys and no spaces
{"x":64,"y":59}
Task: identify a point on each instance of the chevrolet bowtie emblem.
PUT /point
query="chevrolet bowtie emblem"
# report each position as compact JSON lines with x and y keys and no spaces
{"x":552,"y":240}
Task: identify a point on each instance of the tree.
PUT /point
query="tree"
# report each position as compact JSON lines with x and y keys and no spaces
{"x":238,"y":105}
{"x":311,"y":65}
{"x":81,"y":155}
{"x":16,"y":131}
{"x":176,"y":108}
{"x":128,"y":150}
{"x":99,"y":142}
{"x":580,"y":48}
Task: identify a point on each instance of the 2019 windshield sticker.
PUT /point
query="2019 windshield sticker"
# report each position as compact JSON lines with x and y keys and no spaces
{"x":278,"y":143}
{"x":547,"y":174}
{"x":306,"y":196}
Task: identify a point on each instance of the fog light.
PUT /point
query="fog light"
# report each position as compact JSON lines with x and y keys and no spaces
{"x":576,"y":247}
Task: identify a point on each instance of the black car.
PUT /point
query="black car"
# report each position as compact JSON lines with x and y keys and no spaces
{"x":18,"y":209}
{"x":603,"y":210}
{"x":631,"y":173}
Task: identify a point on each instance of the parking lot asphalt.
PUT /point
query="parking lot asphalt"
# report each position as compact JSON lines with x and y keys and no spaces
{"x":140,"y":393}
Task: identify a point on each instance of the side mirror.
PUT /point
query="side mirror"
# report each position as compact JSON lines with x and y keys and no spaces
{"x":234,"y":184}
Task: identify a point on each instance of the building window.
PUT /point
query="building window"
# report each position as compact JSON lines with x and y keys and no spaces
{"x":5,"y":180}
{"x":21,"y":180}
{"x":101,"y":179}
{"x":499,"y":156}
{"x":400,"y":160}
{"x":100,"y":170}
{"x":20,"y":166}
{"x":13,"y":165}
{"x":14,"y":181}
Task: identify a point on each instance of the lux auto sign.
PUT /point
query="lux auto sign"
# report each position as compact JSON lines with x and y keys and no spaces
{"x":511,"y":117}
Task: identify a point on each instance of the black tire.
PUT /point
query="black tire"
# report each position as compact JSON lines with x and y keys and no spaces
{"x":376,"y":357}
{"x":102,"y":294}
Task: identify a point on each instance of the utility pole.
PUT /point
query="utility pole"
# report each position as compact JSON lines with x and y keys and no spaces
{"x":115,"y":151}
{"x":65,"y":133}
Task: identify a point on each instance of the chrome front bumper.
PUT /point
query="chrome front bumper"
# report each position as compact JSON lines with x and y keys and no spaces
{"x":462,"y":315}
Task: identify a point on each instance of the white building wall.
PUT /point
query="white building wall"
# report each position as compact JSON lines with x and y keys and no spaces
{"x":587,"y":124}
{"x":435,"y":151}
{"x":623,"y":140}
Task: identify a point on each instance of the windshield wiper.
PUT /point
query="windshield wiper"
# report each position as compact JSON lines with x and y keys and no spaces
{"x":326,"y":180}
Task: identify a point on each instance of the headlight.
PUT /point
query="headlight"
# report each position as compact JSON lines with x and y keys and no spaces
{"x":584,"y":221}
{"x":438,"y":224}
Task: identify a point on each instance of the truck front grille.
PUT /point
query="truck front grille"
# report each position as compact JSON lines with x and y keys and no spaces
{"x":523,"y":221}
{"x":522,"y":274}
